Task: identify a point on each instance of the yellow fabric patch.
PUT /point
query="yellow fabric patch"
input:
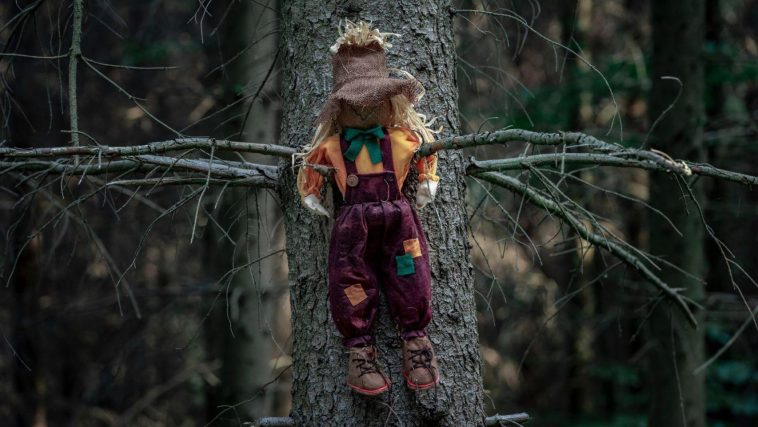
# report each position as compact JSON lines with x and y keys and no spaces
{"x":355,"y":294}
{"x":412,"y":247}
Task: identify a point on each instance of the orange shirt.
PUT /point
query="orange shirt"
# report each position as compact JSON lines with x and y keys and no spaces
{"x":329,"y":153}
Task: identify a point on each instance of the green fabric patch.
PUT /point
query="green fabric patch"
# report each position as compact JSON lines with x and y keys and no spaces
{"x":405,"y":265}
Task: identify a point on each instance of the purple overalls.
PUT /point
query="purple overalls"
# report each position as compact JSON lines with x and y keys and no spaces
{"x":377,"y":243}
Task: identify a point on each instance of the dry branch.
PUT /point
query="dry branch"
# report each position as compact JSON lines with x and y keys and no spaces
{"x":521,"y":163}
{"x":605,"y":154}
{"x":495,"y":420}
{"x":550,"y":205}
{"x":507,"y":420}
{"x":260,"y":182}
{"x":142,"y":158}
{"x":602,"y":154}
{"x":177,"y":144}
{"x":514,"y":135}
{"x":255,"y":174}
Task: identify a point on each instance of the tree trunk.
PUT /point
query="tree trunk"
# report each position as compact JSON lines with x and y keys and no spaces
{"x":725,"y":199}
{"x":678,"y":396}
{"x":579,"y":314}
{"x":320,"y":396}
{"x":244,"y":229}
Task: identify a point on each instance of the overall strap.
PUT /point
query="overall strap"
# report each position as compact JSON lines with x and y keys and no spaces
{"x":349,"y":166}
{"x":386,"y":146}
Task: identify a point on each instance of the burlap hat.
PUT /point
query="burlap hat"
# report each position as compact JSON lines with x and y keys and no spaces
{"x":361,"y":78}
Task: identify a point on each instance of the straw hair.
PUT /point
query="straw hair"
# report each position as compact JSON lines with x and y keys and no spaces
{"x":360,"y":34}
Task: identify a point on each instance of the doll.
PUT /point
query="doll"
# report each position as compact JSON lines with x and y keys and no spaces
{"x":368,"y":132}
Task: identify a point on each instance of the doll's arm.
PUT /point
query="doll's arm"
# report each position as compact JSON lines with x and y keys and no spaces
{"x":314,"y":204}
{"x":428,"y":180}
{"x":310,"y":182}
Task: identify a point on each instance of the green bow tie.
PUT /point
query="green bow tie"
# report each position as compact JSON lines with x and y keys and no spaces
{"x":360,"y":137}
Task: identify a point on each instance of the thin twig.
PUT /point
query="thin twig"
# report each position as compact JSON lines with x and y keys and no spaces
{"x":16,"y":355}
{"x":200,"y":199}
{"x":729,"y":343}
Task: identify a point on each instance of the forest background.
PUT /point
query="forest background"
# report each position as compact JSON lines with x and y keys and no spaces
{"x":122,"y":311}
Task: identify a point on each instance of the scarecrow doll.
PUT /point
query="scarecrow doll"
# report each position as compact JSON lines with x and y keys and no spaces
{"x":368,"y":133}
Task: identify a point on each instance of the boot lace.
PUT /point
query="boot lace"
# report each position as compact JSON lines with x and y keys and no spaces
{"x":421,"y":358}
{"x":366,"y":366}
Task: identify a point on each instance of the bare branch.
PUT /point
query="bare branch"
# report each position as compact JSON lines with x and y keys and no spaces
{"x":495,"y":420}
{"x":500,"y":420}
{"x":605,"y":154}
{"x":266,"y":175}
{"x":518,"y":163}
{"x":177,"y":181}
{"x":611,"y":245}
{"x":152,"y":148}
{"x":513,"y":135}
{"x":219,"y":168}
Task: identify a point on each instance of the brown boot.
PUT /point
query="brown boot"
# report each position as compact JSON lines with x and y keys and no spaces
{"x":363,"y":373}
{"x":419,"y":364}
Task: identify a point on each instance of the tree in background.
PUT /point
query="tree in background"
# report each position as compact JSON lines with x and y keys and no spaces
{"x":244,"y":226}
{"x":677,"y":115}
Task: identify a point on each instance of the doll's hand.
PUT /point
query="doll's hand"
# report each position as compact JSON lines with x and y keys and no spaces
{"x":426,"y":192}
{"x":311,"y":202}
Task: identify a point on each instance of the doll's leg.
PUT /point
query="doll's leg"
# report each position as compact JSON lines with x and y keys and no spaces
{"x":407,"y":282}
{"x":353,"y":298}
{"x":405,"y":273}
{"x":353,"y":287}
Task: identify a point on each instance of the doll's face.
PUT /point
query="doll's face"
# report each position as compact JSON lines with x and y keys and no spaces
{"x":362,"y":117}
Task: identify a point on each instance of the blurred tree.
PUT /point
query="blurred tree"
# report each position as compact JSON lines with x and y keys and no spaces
{"x":676,"y":113}
{"x":242,"y":228}
{"x":576,"y":19}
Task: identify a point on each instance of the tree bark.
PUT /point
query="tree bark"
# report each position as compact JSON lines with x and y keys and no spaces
{"x":320,"y":396}
{"x":677,"y":396}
